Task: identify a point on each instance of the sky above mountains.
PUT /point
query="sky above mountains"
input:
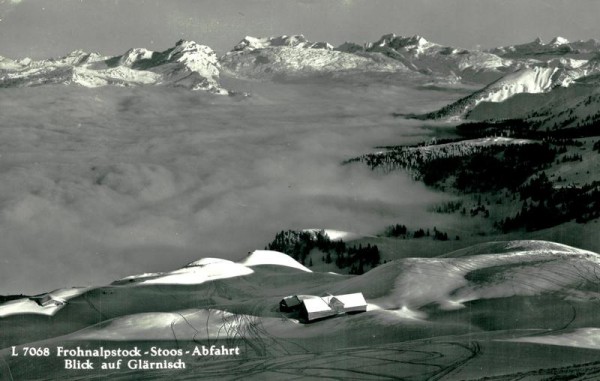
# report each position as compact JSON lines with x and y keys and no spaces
{"x":40,"y":28}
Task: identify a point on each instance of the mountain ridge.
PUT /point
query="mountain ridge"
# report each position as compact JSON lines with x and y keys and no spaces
{"x":196,"y":67}
{"x":187,"y":65}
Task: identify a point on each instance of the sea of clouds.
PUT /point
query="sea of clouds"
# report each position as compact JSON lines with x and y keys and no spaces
{"x":97,"y":184}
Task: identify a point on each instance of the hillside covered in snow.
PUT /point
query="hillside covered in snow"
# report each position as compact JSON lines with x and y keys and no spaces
{"x":502,"y":297}
{"x":529,"y":80}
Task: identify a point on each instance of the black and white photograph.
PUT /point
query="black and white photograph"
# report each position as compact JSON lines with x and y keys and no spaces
{"x":299,"y":190}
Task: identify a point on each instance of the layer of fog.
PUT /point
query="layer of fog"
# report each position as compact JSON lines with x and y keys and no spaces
{"x":97,"y":184}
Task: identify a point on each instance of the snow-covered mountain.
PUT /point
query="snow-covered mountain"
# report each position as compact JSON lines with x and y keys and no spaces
{"x":8,"y":64}
{"x":559,"y":46}
{"x":520,"y":68}
{"x":296,"y":57}
{"x":532,"y":80}
{"x":430,"y":58}
{"x":527,"y":80}
{"x":561,"y":107}
{"x":295,"y":41}
{"x":528,"y":68}
{"x":187,"y":65}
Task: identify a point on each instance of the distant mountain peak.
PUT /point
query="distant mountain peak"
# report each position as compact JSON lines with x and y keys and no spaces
{"x":189,"y":46}
{"x":293,"y":41}
{"x":134,"y":55}
{"x":191,"y":54}
{"x":396,"y":42}
{"x":79,"y":57}
{"x":559,"y":41}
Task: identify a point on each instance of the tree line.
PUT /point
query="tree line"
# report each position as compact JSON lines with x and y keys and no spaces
{"x":300,"y":244}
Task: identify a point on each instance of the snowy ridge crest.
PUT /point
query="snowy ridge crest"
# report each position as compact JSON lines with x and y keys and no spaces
{"x":531,"y":80}
{"x":398,"y":42}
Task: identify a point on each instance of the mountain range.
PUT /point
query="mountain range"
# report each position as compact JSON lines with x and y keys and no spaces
{"x":533,"y":67}
{"x":557,"y":47}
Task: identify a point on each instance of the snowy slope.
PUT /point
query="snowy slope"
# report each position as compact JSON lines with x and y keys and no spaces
{"x":501,"y":270}
{"x":187,"y":65}
{"x":528,"y":80}
{"x":531,"y":80}
{"x":510,"y":247}
{"x":486,"y":271}
{"x":269,"y":257}
{"x":561,"y":107}
{"x":588,"y":337}
{"x":45,"y":304}
{"x":210,"y":269}
{"x":169,"y":325}
{"x":197,"y":274}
